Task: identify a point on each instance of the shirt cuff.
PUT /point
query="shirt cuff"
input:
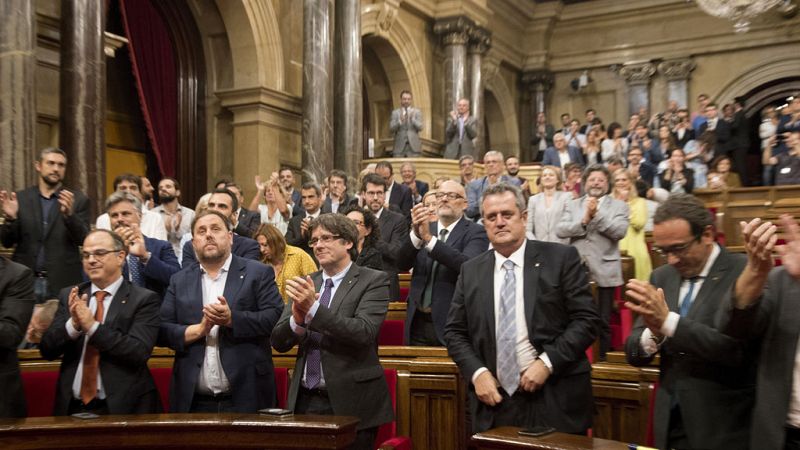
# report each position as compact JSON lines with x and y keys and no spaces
{"x":71,"y":331}
{"x":297,"y":329}
{"x":477,"y":373}
{"x":312,"y":312}
{"x":432,"y":243}
{"x":647,"y":343}
{"x":92,"y":329}
{"x":415,"y":241}
{"x":546,"y":360}
{"x":670,"y":324}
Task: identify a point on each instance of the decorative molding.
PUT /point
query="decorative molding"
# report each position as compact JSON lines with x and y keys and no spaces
{"x":112,"y":42}
{"x":677,"y":69}
{"x":490,"y":66}
{"x":480,"y":40}
{"x":388,"y":14}
{"x":637,"y":73}
{"x":538,"y":80}
{"x":454,"y":30}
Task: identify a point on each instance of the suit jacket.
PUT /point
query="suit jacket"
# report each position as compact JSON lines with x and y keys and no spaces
{"x":394,"y":233}
{"x":349,"y":348}
{"x":422,"y":189}
{"x":598,"y":242}
{"x":466,"y":241}
{"x":159,"y":269}
{"x":562,"y":321}
{"x":328,"y":207}
{"x":62,"y":238}
{"x":688,"y":187}
{"x":16,"y":307}
{"x":297,"y":200}
{"x":124,"y":340}
{"x":370,"y":257}
{"x":401,"y":197}
{"x":475,"y":190}
{"x":248,"y":224}
{"x":459,"y":146}
{"x":688,"y":135}
{"x":255,"y":304}
{"x":708,"y":375}
{"x":723,"y":134}
{"x":551,"y":156}
{"x":295,"y":237}
{"x":541,"y":221}
{"x":243,"y":247}
{"x":772,"y":322}
{"x":406,"y":132}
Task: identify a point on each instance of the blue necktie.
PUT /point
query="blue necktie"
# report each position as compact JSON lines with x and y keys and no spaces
{"x":687,"y":299}
{"x":507,"y":364}
{"x":135,"y":268}
{"x":313,"y":360}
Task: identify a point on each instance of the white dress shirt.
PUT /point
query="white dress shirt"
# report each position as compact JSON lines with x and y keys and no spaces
{"x":417,"y":242}
{"x":75,"y":334}
{"x":152,"y":224}
{"x":212,"y":379}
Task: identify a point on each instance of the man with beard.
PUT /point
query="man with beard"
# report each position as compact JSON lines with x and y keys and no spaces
{"x":394,"y":229}
{"x":297,"y":233}
{"x":218,"y":316}
{"x":150,"y":262}
{"x":47,"y":223}
{"x":177,"y":218}
{"x":147,"y":193}
{"x":594,"y":224}
{"x":152,"y":223}
{"x":512,"y":168}
{"x":286,"y":177}
{"x":405,"y":124}
{"x":226,"y":203}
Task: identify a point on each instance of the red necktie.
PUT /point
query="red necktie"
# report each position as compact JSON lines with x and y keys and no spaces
{"x":91,"y":359}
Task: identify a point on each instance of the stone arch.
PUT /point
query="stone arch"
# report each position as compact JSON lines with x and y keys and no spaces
{"x":380,"y":21}
{"x":507,"y":121}
{"x":784,"y":65}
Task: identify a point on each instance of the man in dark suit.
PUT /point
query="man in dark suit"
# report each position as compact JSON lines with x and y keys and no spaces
{"x":553,"y":155}
{"x":286,"y":177}
{"x":337,"y":192}
{"x":337,"y":370}
{"x":225,"y":202}
{"x":104,"y":332}
{"x":394,"y":229}
{"x":397,"y":195}
{"x":520,"y":322}
{"x":408,"y":172}
{"x":764,"y":306}
{"x":16,"y":307}
{"x":436,"y":252}
{"x":47,"y":223}
{"x":150,"y":262}
{"x":297,"y":233}
{"x":217,"y":316}
{"x":706,"y":391}
{"x":720,"y":127}
{"x":247,"y":221}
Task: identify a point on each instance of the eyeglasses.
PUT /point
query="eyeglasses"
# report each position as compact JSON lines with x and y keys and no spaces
{"x":374,"y":193}
{"x":677,"y":250}
{"x":98,"y":254}
{"x":327,"y":239}
{"x":449,"y":195}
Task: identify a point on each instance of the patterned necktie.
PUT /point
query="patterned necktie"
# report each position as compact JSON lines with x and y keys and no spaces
{"x":686,"y":304}
{"x":313,"y":360}
{"x":91,"y":358}
{"x":427,"y":297}
{"x":507,"y":364}
{"x":135,"y":269}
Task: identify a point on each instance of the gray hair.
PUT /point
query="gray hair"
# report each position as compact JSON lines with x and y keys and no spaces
{"x":501,"y":188}
{"x":123,"y":196}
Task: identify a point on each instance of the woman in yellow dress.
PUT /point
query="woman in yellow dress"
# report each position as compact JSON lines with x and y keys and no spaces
{"x":288,"y":261}
{"x":633,"y":242}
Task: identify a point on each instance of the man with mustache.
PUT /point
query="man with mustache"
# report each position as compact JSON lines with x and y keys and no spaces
{"x":177,"y":217}
{"x":47,"y":223}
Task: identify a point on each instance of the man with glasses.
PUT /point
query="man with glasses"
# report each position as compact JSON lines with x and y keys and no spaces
{"x":466,"y":166}
{"x":297,"y":232}
{"x":104,"y":331}
{"x":436,"y":252}
{"x":493,"y":164}
{"x":394,"y":229}
{"x":334,"y":315}
{"x":706,"y":391}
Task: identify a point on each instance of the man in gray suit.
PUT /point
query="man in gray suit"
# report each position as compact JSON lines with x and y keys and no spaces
{"x":334,"y":316}
{"x":405,"y":124}
{"x":461,"y":130}
{"x":594,"y":224}
{"x":706,"y":390}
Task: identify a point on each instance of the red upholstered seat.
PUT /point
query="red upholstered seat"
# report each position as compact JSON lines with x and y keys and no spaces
{"x":40,"y":392}
{"x":282,"y":385}
{"x":387,"y":434}
{"x":162,"y":376}
{"x":391,"y":332}
{"x":403,"y":294}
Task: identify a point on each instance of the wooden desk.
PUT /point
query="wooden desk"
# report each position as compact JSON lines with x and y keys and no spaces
{"x":509,"y":438}
{"x":176,"y":431}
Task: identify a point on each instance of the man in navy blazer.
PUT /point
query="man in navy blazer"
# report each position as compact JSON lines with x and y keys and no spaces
{"x":154,"y":259}
{"x":552,"y":155}
{"x":397,"y":194}
{"x":218,"y":316}
{"x":225,"y":202}
{"x":436,"y":252}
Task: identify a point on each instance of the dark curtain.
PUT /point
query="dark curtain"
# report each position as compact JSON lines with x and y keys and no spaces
{"x":154,"y":69}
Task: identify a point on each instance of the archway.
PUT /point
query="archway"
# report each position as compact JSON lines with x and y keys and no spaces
{"x":500,"y":118}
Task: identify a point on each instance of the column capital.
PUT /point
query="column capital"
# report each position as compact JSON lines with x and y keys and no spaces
{"x":637,"y":73}
{"x":454,"y":30}
{"x":538,"y":79}
{"x":480,"y":40}
{"x":677,"y":69}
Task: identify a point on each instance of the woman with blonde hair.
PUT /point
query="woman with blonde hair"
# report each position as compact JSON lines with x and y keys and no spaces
{"x":276,"y":210}
{"x":633,"y":242}
{"x":286,"y":260}
{"x":546,"y":207}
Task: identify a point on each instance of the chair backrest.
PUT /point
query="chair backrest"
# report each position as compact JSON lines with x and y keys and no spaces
{"x":162,"y":377}
{"x":282,"y":385}
{"x":40,"y":392}
{"x":389,"y":430}
{"x":392,"y":332}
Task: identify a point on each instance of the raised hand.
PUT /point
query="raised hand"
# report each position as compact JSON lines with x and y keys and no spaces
{"x":9,"y":204}
{"x":65,"y":201}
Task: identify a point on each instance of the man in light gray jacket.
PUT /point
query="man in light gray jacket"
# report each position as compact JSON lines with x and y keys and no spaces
{"x":405,"y":124}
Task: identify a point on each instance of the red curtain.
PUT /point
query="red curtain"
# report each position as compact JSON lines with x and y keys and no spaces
{"x":154,"y":69}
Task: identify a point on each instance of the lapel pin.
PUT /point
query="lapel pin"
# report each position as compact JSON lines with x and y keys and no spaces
{"x":714,"y":278}
{"x":124,"y":301}
{"x":241,"y":276}
{"x":536,"y":265}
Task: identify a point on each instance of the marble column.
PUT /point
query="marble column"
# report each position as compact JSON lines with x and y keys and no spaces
{"x":348,"y":109}
{"x":479,"y":43}
{"x":455,"y":36}
{"x":677,"y":73}
{"x":538,"y":84}
{"x":17,"y":90}
{"x":317,"y":147}
{"x":637,"y":76}
{"x":83,"y":88}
